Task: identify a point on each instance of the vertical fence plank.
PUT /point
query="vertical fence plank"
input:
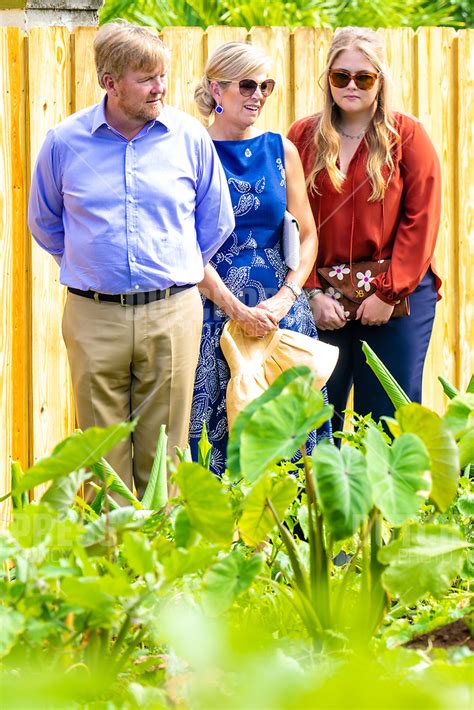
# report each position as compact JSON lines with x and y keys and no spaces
{"x":309,"y":55}
{"x":464,"y":195}
{"x":20,"y":303}
{"x":215,"y":36}
{"x":435,"y":96}
{"x":86,"y":89}
{"x":399,"y":48}
{"x":6,"y":241}
{"x":49,"y":102}
{"x":186,"y":45}
{"x":278,"y":111}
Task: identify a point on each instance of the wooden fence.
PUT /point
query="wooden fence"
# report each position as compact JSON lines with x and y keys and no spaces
{"x":48,"y":73}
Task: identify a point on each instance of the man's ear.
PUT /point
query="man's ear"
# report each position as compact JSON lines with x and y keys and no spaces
{"x":110,"y":84}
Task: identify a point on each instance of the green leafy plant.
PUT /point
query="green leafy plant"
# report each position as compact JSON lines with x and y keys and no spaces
{"x":298,"y":13}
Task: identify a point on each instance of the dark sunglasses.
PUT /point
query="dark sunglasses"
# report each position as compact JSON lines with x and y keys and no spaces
{"x":364,"y":80}
{"x":248,"y":87}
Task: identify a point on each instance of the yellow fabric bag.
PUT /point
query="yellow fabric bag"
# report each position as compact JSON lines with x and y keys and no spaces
{"x":255,"y":363}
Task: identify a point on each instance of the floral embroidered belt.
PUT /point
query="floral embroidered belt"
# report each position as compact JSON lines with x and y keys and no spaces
{"x":351,"y":284}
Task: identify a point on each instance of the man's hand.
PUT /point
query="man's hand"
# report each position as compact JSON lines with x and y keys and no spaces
{"x":328,"y":313}
{"x":374,"y":311}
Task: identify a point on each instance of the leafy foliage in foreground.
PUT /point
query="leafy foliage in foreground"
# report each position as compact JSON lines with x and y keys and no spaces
{"x":298,"y":13}
{"x":229,"y":588}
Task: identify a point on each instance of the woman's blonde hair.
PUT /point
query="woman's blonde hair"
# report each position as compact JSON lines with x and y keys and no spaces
{"x":381,"y":132}
{"x":119,"y":46}
{"x":230,"y":62}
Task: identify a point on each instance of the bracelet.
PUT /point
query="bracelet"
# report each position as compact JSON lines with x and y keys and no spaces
{"x":294,"y":288}
{"x":312,"y":292}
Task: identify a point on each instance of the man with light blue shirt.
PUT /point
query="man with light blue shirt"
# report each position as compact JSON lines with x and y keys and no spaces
{"x":130,"y":199}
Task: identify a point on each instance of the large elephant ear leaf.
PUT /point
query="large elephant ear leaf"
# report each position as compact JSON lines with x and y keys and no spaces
{"x":281,"y":426}
{"x":399,"y":474}
{"x":424,"y":560}
{"x":342,"y":488}
{"x":441,"y":446}
{"x":80,"y":450}
{"x":257,"y":520}
{"x":205,"y":501}
{"x":234,"y":446}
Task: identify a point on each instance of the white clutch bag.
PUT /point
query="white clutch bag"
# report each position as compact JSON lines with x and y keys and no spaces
{"x":291,"y":241}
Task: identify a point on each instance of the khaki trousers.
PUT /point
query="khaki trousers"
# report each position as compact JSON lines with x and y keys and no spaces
{"x":135,"y":361}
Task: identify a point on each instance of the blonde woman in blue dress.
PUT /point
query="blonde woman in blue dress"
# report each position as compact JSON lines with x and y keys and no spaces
{"x":248,"y":280}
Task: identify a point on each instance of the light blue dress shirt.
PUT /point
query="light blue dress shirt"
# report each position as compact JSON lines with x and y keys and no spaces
{"x":129,"y":215}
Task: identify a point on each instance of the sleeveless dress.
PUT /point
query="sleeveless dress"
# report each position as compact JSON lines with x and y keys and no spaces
{"x":251,"y":265}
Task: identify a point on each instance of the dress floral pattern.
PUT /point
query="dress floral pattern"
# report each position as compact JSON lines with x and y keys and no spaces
{"x":251,"y":265}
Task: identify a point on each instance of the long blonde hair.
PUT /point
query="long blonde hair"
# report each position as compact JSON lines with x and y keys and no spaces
{"x":381,"y":132}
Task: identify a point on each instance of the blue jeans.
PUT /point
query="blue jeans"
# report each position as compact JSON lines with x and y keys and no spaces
{"x":401,"y":344}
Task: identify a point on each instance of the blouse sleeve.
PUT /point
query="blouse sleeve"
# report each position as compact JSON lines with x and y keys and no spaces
{"x":417,"y":231}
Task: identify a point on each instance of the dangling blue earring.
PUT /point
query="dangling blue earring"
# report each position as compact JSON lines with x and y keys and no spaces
{"x":219,"y":109}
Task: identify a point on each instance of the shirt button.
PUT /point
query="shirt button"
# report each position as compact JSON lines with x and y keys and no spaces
{"x":131,"y":229}
{"x":130,"y":198}
{"x":133,"y":258}
{"x":137,"y":287}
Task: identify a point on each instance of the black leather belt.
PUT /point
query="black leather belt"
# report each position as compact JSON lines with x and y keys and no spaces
{"x":131,"y":299}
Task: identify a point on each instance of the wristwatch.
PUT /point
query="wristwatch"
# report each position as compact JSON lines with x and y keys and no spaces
{"x":312,"y":292}
{"x":294,"y":288}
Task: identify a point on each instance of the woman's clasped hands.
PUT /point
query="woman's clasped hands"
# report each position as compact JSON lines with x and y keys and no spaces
{"x":327,"y":312}
{"x":256,"y":321}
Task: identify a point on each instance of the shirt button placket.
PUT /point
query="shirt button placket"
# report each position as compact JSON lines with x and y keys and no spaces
{"x":131,"y":207}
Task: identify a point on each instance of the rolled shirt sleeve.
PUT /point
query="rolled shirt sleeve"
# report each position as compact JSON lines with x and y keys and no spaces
{"x":417,"y":231}
{"x":45,"y":207}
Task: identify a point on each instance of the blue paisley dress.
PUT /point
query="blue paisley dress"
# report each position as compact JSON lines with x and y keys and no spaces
{"x":251,"y":265}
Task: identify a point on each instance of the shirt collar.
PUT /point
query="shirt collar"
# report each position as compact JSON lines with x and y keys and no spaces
{"x":98,"y":118}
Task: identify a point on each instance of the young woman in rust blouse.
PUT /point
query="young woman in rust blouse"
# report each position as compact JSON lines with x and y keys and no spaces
{"x":373,"y":181}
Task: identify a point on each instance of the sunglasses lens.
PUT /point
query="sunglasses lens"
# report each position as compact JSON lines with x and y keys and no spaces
{"x":247,"y":87}
{"x":267,"y":87}
{"x":365,"y":81}
{"x":339,"y":79}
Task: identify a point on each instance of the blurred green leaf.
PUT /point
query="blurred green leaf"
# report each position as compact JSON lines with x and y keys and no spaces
{"x":79,"y":450}
{"x":206,"y":503}
{"x":12,"y":624}
{"x":108,"y":529}
{"x":257,"y":521}
{"x":424,"y":560}
{"x":228,"y":578}
{"x":31,"y":525}
{"x":441,"y":447}
{"x":465,"y":504}
{"x":399,"y":474}
{"x":62,"y":491}
{"x":466,"y":449}
{"x":138,"y":553}
{"x":187,"y":561}
{"x":342,"y":487}
{"x":459,"y":415}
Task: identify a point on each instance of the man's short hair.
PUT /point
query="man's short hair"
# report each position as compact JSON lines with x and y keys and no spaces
{"x":119,"y":46}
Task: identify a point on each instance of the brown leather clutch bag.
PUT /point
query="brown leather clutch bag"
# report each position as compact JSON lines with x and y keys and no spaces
{"x":350,"y":284}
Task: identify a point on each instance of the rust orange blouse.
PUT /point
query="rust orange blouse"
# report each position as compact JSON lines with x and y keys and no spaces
{"x":403,"y":226}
